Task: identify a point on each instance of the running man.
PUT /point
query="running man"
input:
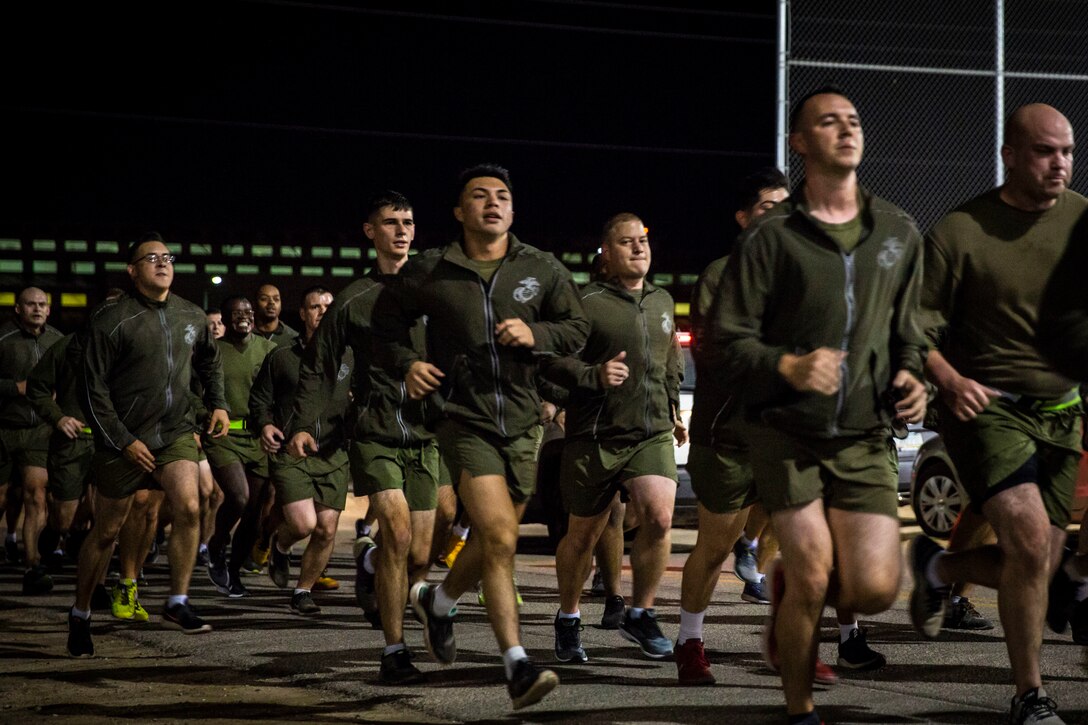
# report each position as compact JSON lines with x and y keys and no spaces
{"x":24,"y":434}
{"x":142,"y":349}
{"x":493,"y":306}
{"x":312,"y":489}
{"x":816,"y":322}
{"x":266,"y":315}
{"x":1008,"y":418}
{"x":621,"y":413}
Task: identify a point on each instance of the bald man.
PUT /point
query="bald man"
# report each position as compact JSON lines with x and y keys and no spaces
{"x":24,"y":435}
{"x":1009,"y":419}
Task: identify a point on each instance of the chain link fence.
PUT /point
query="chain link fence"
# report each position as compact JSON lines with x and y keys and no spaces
{"x":933,"y":81}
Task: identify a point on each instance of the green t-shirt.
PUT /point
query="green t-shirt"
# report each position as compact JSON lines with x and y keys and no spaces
{"x":847,"y":235}
{"x":486,"y":267}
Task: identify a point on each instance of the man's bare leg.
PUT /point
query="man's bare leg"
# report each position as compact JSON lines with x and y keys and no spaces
{"x":714,"y":541}
{"x":322,"y":539}
{"x":35,"y":511}
{"x":609,"y":550}
{"x":94,"y":555}
{"x":653,"y":498}
{"x":179,"y":481}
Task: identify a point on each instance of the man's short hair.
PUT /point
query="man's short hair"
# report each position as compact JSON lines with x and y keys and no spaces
{"x":140,"y":241}
{"x":479,"y":170}
{"x":795,"y":112}
{"x":19,"y":297}
{"x":318,"y":289}
{"x":224,"y":306}
{"x":385,"y":198}
{"x":750,"y":186}
{"x":615,"y":220}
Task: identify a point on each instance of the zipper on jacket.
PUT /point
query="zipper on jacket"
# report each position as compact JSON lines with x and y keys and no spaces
{"x":489,"y":323}
{"x":648,"y":365}
{"x":844,"y":345}
{"x":169,"y":370}
{"x":405,"y":434}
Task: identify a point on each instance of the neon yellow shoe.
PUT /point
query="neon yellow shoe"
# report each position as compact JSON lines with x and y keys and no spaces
{"x":259,"y":555}
{"x":325,"y":583}
{"x":139,"y":614}
{"x":123,"y":600}
{"x":480,"y":594}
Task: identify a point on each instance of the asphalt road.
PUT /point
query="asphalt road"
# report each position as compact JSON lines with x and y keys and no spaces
{"x":264,"y":664}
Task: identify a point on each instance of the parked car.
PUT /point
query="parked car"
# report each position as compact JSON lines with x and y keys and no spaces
{"x":937,"y":496}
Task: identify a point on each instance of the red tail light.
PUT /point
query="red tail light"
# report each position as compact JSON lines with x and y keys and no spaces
{"x":684,"y":336}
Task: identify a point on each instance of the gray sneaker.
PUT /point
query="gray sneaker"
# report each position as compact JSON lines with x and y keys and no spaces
{"x":927,"y":602}
{"x":437,"y":631}
{"x":1034,"y":708}
{"x":744,"y":564}
{"x":644,"y":632}
{"x":303,"y":603}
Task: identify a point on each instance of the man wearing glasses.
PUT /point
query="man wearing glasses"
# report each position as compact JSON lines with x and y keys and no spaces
{"x":142,"y":350}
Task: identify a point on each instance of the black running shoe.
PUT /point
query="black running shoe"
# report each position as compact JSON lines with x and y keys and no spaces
{"x":304,"y":604}
{"x":237,"y":589}
{"x":182,"y":617}
{"x":1060,"y":603}
{"x":203,"y":558}
{"x":437,"y":631}
{"x":644,"y":632}
{"x":36,"y":580}
{"x":530,"y":683}
{"x":11,"y":551}
{"x":927,"y":602}
{"x":961,"y":614}
{"x":614,"y":608}
{"x":596,"y":588}
{"x":365,"y":593}
{"x":568,"y":640}
{"x":855,"y":653}
{"x":1079,"y":622}
{"x":79,"y":636}
{"x":218,"y":574}
{"x":397,"y":668}
{"x":1034,"y":707}
{"x":279,"y":566}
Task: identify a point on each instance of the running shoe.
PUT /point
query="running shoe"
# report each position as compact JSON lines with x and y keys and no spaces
{"x":139,"y":614}
{"x":597,"y":588}
{"x":36,"y":580}
{"x":202,"y":557}
{"x":961,"y":614}
{"x":1060,"y":603}
{"x":123,"y":601}
{"x":79,"y":636}
{"x":855,"y":653}
{"x":482,"y":600}
{"x":397,"y":668}
{"x":184,"y":618}
{"x":365,"y":593}
{"x":250,"y":567}
{"x":568,"y":639}
{"x":614,"y":609}
{"x":453,"y":548}
{"x":754,"y":593}
{"x":304,"y":604}
{"x":1034,"y":708}
{"x":644,"y":632}
{"x":326,"y":583}
{"x":1079,"y":622}
{"x":927,"y":602}
{"x":530,"y":684}
{"x":11,"y":551}
{"x":237,"y":589}
{"x":437,"y":630}
{"x":218,"y":574}
{"x":744,"y":564}
{"x":692,"y":666}
{"x":260,"y":554}
{"x":279,"y":566}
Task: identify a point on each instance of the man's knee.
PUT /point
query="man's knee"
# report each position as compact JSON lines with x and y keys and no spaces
{"x":656,"y":521}
{"x":876,"y":593}
{"x":499,"y":543}
{"x":807,"y":585}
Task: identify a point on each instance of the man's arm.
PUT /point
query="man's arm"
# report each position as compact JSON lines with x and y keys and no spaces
{"x":1063,"y":313}
{"x":320,"y":365}
{"x":563,"y":327}
{"x":41,"y":385}
{"x":101,"y":351}
{"x":208,"y":364}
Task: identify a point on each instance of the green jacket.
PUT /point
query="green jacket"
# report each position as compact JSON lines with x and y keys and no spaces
{"x":790,"y":288}
{"x":140,"y":357}
{"x":642,"y":326}
{"x":20,"y":351}
{"x":282,"y":335}
{"x":240,"y":365}
{"x":272,"y":399}
{"x":715,"y":404}
{"x":52,"y":387}
{"x":385,"y":413}
{"x":487,"y":386}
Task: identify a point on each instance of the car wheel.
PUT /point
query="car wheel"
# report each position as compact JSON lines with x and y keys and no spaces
{"x":937,"y":499}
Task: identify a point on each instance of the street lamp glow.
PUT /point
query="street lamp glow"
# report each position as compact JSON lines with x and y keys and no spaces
{"x":217,"y":279}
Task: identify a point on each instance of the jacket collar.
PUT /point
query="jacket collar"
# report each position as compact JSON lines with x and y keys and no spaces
{"x":455,"y":252}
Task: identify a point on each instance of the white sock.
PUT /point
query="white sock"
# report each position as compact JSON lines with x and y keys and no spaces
{"x":932,"y":576}
{"x":81,"y":613}
{"x":845,"y":630}
{"x":368,"y":559}
{"x":635,"y":612}
{"x":366,"y":529}
{"x":174,"y":599}
{"x":300,"y":591}
{"x":746,"y":541}
{"x":444,"y":604}
{"x":691,"y":625}
{"x":459,"y":531}
{"x":575,"y":615}
{"x":391,"y":648}
{"x":510,"y":659}
{"x":203,"y":547}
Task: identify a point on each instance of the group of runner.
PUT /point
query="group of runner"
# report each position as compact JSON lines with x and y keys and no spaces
{"x":422,"y":385}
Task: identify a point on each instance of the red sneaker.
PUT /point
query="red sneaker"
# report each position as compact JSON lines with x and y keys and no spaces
{"x":692,"y":666}
{"x":823,"y":675}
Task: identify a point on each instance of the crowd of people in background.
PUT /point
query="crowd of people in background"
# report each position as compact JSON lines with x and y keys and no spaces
{"x":422,"y":386}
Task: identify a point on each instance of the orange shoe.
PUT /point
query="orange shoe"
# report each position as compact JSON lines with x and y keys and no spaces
{"x":453,"y":548}
{"x":325,"y":583}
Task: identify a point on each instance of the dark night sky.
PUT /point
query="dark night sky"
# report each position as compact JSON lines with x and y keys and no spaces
{"x":245,"y":120}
